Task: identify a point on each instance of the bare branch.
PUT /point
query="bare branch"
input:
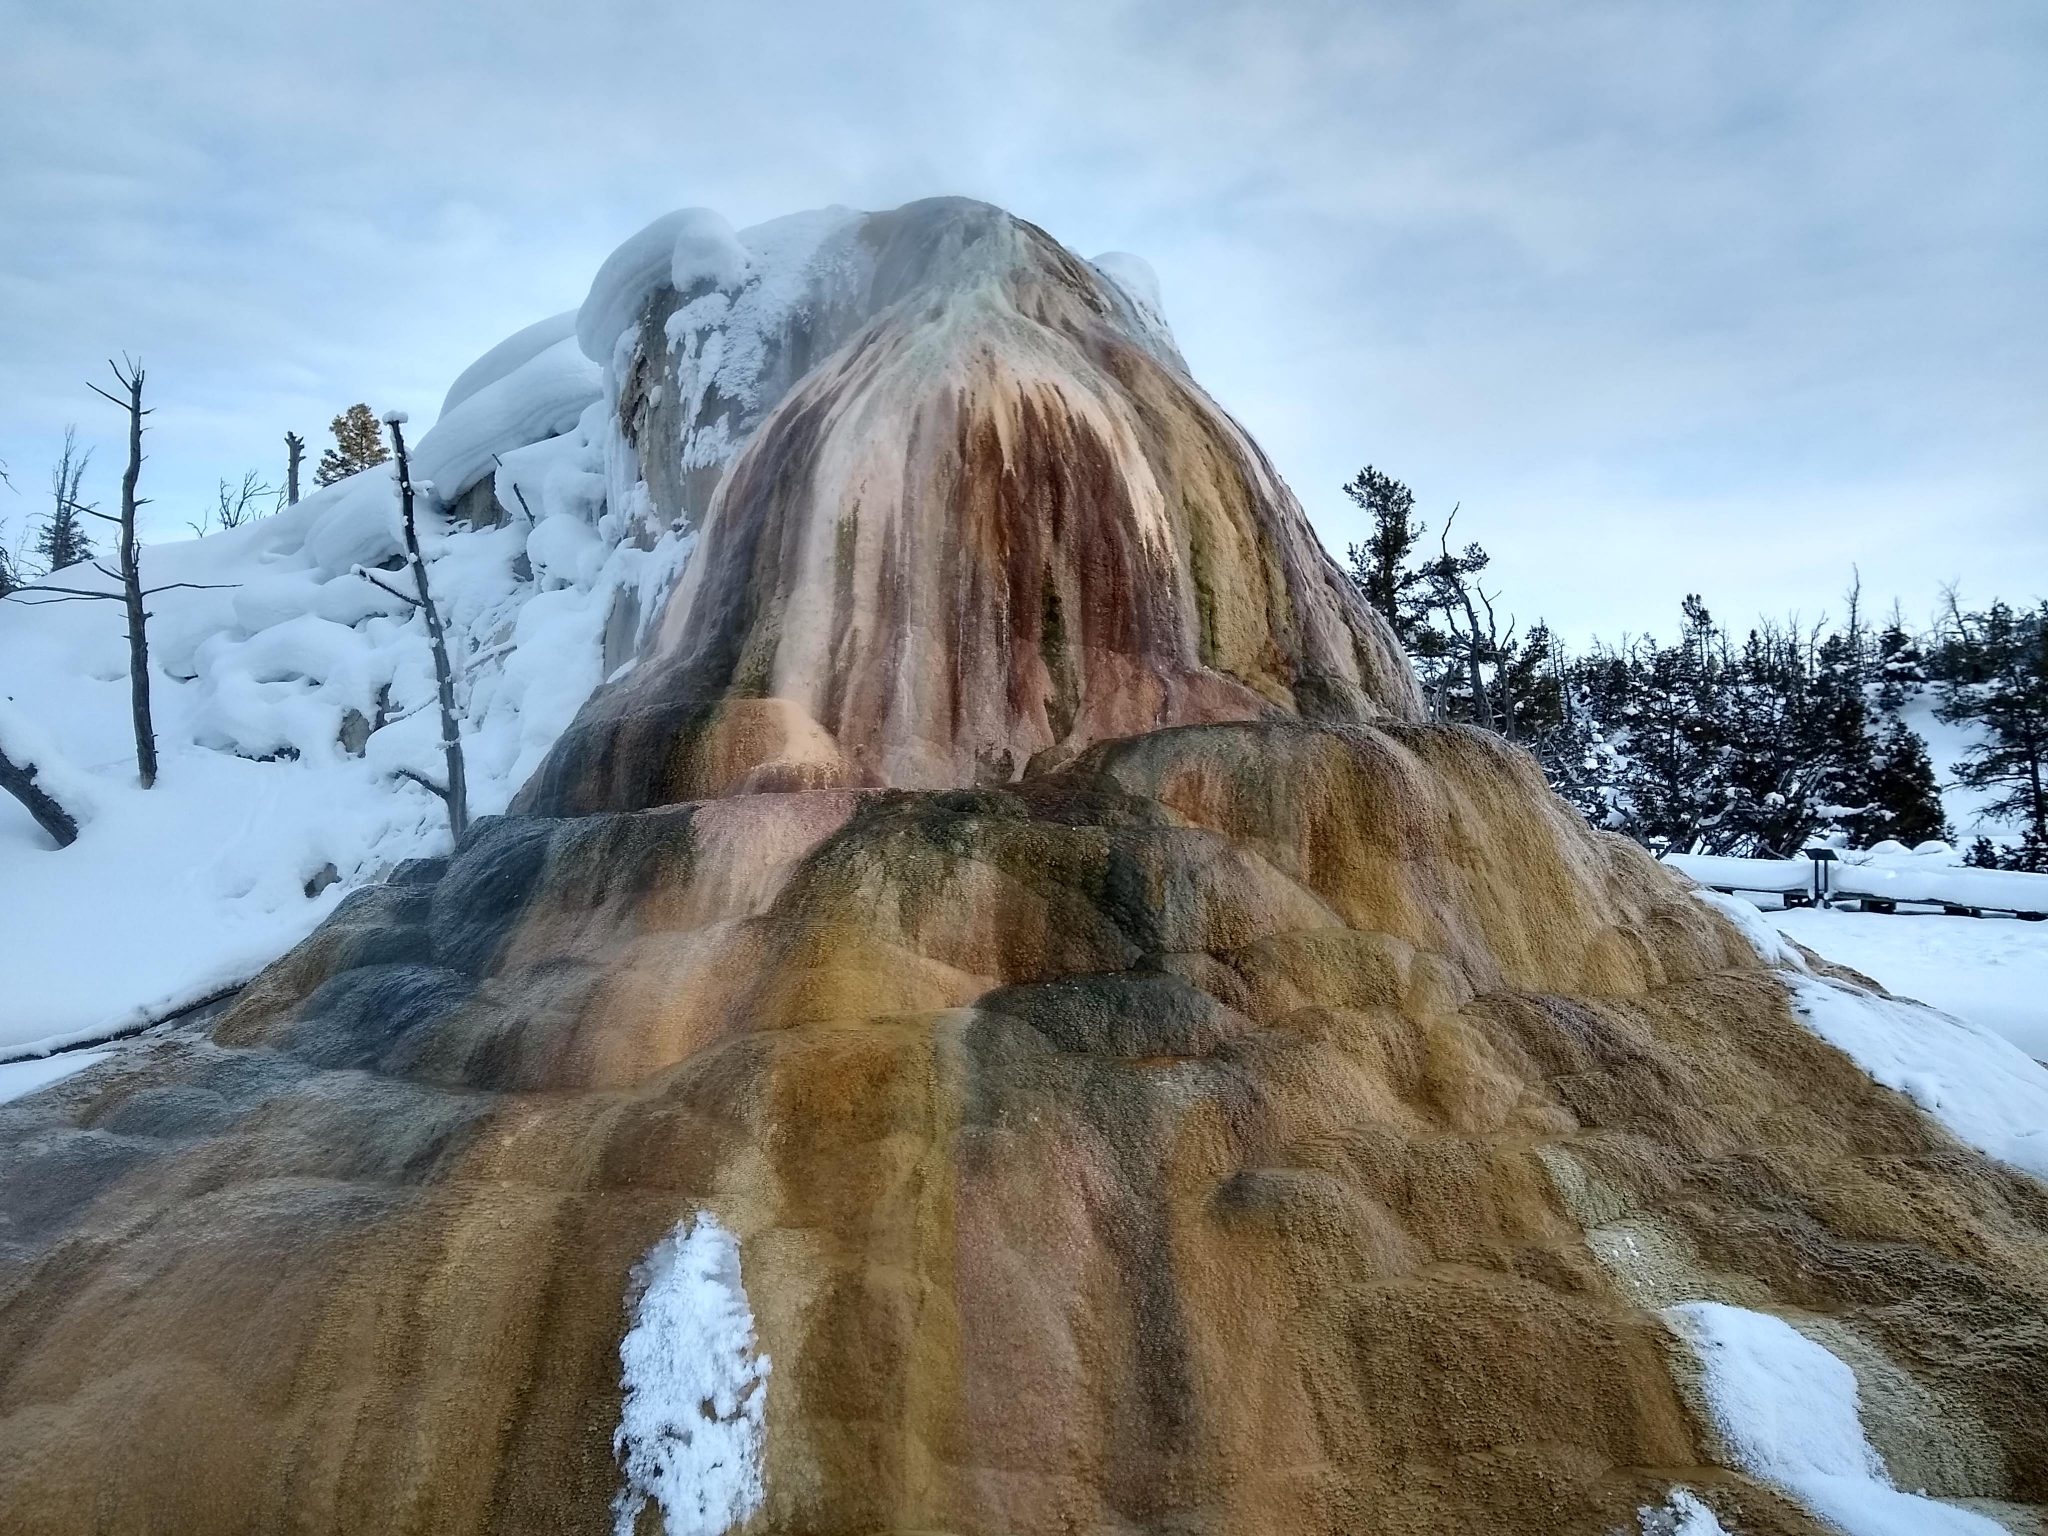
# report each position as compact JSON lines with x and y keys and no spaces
{"x":368,"y":576}
{"x":112,"y":597}
{"x":420,"y":779}
{"x":195,"y":586}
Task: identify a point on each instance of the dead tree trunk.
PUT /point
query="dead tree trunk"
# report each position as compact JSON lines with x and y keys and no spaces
{"x":294,"y":454}
{"x":19,"y":780}
{"x":456,"y":792}
{"x":131,"y":571}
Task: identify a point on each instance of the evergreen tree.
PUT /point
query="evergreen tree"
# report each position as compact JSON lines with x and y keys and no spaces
{"x":62,"y":540}
{"x":1984,"y":854}
{"x":1669,"y":780}
{"x":2010,"y":703}
{"x":1905,"y":799}
{"x":1425,"y":600}
{"x":1529,"y":680}
{"x":10,"y":580}
{"x":1901,"y":666}
{"x":358,"y":444}
{"x":1380,"y":567}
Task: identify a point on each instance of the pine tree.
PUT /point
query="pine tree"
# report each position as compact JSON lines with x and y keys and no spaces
{"x":62,"y":540}
{"x":1380,"y":567}
{"x":2011,"y":705}
{"x":358,"y":444}
{"x":10,"y":581}
{"x":1672,"y":788}
{"x":1901,"y":666}
{"x":1905,"y":798}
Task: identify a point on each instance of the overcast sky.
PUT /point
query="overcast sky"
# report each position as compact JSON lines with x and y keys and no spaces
{"x":1671,"y":296}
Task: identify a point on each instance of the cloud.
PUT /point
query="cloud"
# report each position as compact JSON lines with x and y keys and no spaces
{"x":1670,"y":297}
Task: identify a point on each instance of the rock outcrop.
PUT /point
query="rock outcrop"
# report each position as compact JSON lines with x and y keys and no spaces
{"x":1003,"y":1022}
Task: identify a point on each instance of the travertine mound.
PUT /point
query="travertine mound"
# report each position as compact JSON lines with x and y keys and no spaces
{"x":994,"y":522}
{"x":1265,"y":1114}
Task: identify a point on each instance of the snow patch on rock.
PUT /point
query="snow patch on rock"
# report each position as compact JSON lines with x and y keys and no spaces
{"x":18,"y":1079}
{"x":692,"y":1426}
{"x":1785,"y":1411}
{"x":1133,"y":279}
{"x":1682,"y":1514}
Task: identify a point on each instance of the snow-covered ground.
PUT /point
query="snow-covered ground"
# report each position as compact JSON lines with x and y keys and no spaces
{"x":293,"y":696}
{"x":289,"y":691}
{"x":1948,"y":745}
{"x":1991,"y":971}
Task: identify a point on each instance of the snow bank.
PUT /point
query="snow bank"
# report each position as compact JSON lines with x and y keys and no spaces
{"x":32,"y":749}
{"x":1785,"y":1411}
{"x":1993,"y":974}
{"x":540,"y":398}
{"x":682,"y":248}
{"x":692,"y":1425}
{"x":1769,"y":944}
{"x":288,"y":698}
{"x":520,"y":347}
{"x":1983,"y":1089}
{"x":20,"y":1078}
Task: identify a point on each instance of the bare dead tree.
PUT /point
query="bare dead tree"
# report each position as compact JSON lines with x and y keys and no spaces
{"x":132,"y":592}
{"x":235,"y":505}
{"x":1498,"y":649}
{"x":455,"y":792}
{"x":130,"y":381}
{"x":294,"y":455}
{"x":1450,"y":592}
{"x":19,"y":780}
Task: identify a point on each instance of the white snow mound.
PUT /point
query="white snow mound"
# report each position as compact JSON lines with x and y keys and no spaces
{"x":693,"y":242}
{"x":520,"y":347}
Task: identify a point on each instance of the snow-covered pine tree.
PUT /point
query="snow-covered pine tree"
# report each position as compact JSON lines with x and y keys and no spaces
{"x":2008,"y":653}
{"x":1901,"y":665}
{"x":358,"y":444}
{"x":1904,"y":797}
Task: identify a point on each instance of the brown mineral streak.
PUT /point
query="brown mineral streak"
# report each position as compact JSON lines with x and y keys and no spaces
{"x":1156,"y":1085}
